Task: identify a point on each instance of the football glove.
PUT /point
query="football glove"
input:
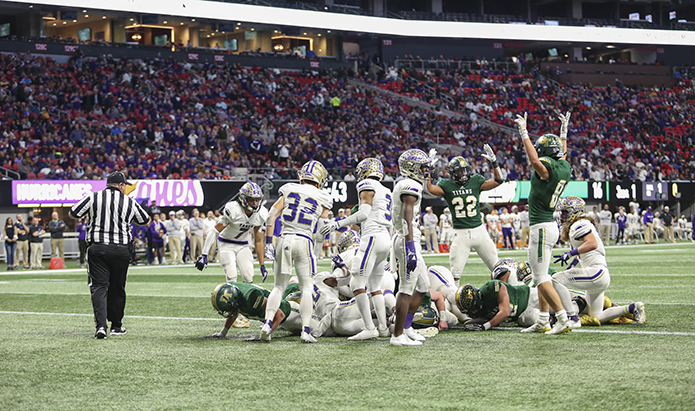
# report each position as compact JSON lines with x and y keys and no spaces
{"x":565,"y":257}
{"x":410,"y":256}
{"x":474,"y":327}
{"x":564,"y":122}
{"x":269,"y":252}
{"x":329,"y":227}
{"x":574,"y":262}
{"x":489,"y":155}
{"x":433,"y":157}
{"x":521,"y":125}
{"x":264,"y":273}
{"x":338,"y":261}
{"x":201,"y":262}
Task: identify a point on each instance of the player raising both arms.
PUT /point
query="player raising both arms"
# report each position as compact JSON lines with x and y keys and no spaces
{"x":550,"y":176}
{"x":367,"y":268}
{"x":300,"y":207}
{"x":462,"y":193}
{"x":240,"y":216}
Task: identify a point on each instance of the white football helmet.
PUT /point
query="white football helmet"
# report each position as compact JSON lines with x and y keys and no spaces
{"x":415,"y":164}
{"x":348,"y":239}
{"x":250,"y":191}
{"x":313,"y":171}
{"x":369,"y":167}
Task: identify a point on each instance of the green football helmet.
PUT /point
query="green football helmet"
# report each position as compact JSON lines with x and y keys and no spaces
{"x":468,"y":299}
{"x":459,"y":170}
{"x":425,"y":317}
{"x":549,"y":145}
{"x":225,"y":299}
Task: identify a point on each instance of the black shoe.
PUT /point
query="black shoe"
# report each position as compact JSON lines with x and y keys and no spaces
{"x":118,"y":331}
{"x":100,"y":334}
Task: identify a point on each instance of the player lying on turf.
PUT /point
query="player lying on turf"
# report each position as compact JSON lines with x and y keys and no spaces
{"x":612,"y":313}
{"x":592,"y":275}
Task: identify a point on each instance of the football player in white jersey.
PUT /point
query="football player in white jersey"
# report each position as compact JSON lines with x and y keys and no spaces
{"x":367,"y":268}
{"x":240,"y":217}
{"x":446,"y":225}
{"x":414,"y":165}
{"x":341,"y":263}
{"x":443,"y":281}
{"x":593,"y":276}
{"x":301,"y":207}
{"x":633,"y":221}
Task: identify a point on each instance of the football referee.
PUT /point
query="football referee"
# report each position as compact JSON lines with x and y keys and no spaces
{"x":108,"y":238}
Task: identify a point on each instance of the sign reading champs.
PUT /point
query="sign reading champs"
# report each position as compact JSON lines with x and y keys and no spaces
{"x":167,"y":193}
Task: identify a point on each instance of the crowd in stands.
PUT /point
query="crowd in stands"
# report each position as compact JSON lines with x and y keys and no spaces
{"x":167,"y":119}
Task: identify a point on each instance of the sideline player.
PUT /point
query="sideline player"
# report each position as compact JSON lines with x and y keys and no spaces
{"x":414,"y":165}
{"x":593,"y":276}
{"x":300,"y":206}
{"x":367,"y":269}
{"x":231,"y":231}
{"x":462,"y":193}
{"x":550,"y":176}
{"x":446,"y":227}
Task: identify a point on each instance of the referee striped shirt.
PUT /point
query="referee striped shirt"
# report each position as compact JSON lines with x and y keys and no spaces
{"x":110,"y":214}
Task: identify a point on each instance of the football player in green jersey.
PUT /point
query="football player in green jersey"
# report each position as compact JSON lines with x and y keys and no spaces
{"x":551,"y":173}
{"x":462,"y":193}
{"x":234,"y":298}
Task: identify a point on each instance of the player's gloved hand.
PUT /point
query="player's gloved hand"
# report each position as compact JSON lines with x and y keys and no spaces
{"x":474,"y":327}
{"x":201,"y":262}
{"x":433,"y":156}
{"x":574,"y":262}
{"x":564,"y":122}
{"x":329,"y":227}
{"x":269,"y":252}
{"x":410,"y":256}
{"x":521,"y":125}
{"x":489,"y":155}
{"x":338,"y":261}
{"x":264,"y":273}
{"x":565,"y":257}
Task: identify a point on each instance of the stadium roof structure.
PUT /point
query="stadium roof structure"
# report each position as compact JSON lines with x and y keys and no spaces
{"x":220,"y":11}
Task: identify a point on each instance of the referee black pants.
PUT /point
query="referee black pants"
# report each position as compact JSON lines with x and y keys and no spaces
{"x":107,"y":266}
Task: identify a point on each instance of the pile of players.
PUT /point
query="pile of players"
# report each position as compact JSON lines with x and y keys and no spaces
{"x":357,"y":298}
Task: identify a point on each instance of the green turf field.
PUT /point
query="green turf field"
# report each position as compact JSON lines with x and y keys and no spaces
{"x":50,"y":360}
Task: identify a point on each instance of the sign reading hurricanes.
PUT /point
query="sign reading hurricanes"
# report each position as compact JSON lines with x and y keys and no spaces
{"x":167,"y":193}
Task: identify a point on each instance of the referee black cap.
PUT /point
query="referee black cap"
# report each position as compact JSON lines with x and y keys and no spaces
{"x":117,"y":178}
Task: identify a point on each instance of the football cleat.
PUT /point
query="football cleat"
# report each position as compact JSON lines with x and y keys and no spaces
{"x":560,"y":328}
{"x":415,"y":164}
{"x":413,"y":335}
{"x":100,"y":334}
{"x":308,"y":338}
{"x":383,"y":332}
{"x":607,"y":303}
{"x":570,"y":208}
{"x":639,"y":313}
{"x":365,"y":335}
{"x":459,"y":170}
{"x":537,"y":328}
{"x":575,"y":322}
{"x":549,"y":145}
{"x":588,"y":320}
{"x":428,"y":332}
{"x":241,"y":322}
{"x":348,"y":239}
{"x":266,"y":329}
{"x":118,"y":331}
{"x":504,"y":266}
{"x":250,"y":197}
{"x":313,"y":171}
{"x":403,"y":340}
{"x":369,"y":167}
{"x":224,"y":299}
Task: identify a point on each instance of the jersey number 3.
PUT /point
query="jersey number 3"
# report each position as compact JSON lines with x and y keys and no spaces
{"x":460,"y":208}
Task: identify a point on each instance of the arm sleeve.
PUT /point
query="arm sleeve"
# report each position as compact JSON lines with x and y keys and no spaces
{"x":358,"y":217}
{"x":210,"y":240}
